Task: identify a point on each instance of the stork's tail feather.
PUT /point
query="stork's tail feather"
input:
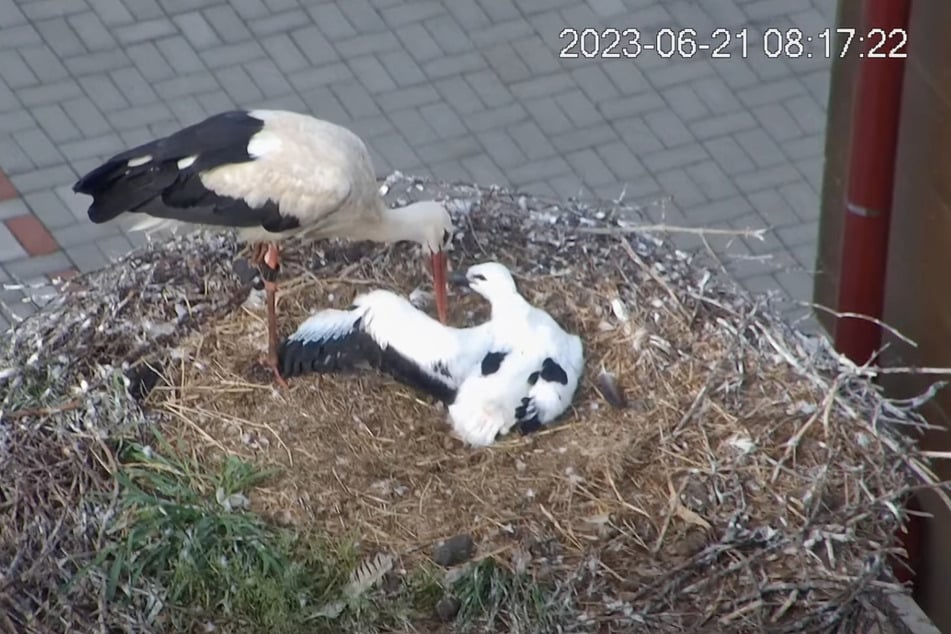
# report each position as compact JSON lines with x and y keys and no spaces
{"x":148,"y":224}
{"x":97,"y":184}
{"x":125,"y":182}
{"x":480,"y":424}
{"x":328,"y":341}
{"x":96,"y":180}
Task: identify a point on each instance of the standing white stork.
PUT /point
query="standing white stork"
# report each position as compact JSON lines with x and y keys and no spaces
{"x":271,"y":174}
{"x":519,"y":369}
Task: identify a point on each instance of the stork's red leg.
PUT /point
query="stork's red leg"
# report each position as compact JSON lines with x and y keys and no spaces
{"x":271,"y":263}
{"x":272,"y":339}
{"x":267,"y":257}
{"x":258,"y":253}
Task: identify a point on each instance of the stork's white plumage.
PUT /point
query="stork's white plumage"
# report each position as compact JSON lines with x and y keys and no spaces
{"x":270,"y":174}
{"x":518,"y":370}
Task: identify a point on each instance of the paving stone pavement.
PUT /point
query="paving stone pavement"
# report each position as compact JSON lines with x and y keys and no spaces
{"x":472,"y":90}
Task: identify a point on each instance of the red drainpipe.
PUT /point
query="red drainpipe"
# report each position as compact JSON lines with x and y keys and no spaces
{"x":871,"y":175}
{"x":868,"y":204}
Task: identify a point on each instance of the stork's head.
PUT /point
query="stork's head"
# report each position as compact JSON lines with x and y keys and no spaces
{"x":490,"y":279}
{"x":434,"y":226}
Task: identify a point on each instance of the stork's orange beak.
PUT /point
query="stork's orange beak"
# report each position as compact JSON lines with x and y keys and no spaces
{"x":439,"y":266}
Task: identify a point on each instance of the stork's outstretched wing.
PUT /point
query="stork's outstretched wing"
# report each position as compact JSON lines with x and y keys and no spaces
{"x":385,"y":331}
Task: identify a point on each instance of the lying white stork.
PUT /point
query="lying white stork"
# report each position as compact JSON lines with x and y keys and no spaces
{"x":519,"y":369}
{"x":272,"y":174}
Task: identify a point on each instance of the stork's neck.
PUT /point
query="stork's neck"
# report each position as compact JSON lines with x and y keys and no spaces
{"x":395,"y":224}
{"x":508,"y":305}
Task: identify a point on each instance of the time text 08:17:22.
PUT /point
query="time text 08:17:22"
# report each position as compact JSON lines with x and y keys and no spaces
{"x":793,"y":43}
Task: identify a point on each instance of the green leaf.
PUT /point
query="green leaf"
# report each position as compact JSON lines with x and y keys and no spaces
{"x":114,"y":572}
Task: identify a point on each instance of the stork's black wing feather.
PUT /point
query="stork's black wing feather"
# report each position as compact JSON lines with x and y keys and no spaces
{"x":357,"y":349}
{"x":328,"y":354}
{"x":212,"y":137}
{"x":160,"y":188}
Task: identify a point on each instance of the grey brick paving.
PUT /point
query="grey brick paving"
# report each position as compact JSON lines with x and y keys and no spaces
{"x":10,"y":249}
{"x":15,"y":158}
{"x":461,"y":89}
{"x":12,"y":208}
{"x":28,"y":269}
{"x":86,"y":257}
{"x":49,"y":208}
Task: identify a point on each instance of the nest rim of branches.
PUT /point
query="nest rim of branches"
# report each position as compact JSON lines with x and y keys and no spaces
{"x":657,"y":316}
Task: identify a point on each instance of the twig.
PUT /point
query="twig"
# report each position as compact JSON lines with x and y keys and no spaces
{"x":788,"y":603}
{"x":621,"y":499}
{"x":919,"y":469}
{"x":874,"y":320}
{"x":707,"y":555}
{"x":793,"y":443}
{"x":746,"y":609}
{"x":871,"y":369}
{"x":713,"y":254}
{"x":43,"y":411}
{"x":937,"y":455}
{"x":695,"y":405}
{"x":228,"y":418}
{"x":475,"y":234}
{"x":551,"y":518}
{"x":660,"y":281}
{"x":758,"y":234}
{"x":176,"y":409}
{"x":715,"y":373}
{"x":673,"y":501}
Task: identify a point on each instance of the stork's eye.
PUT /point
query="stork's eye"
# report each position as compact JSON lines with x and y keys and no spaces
{"x":479,"y":277}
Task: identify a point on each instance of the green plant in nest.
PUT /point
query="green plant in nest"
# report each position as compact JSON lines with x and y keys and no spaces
{"x":186,"y":529}
{"x":493,"y":597}
{"x":183,"y":530}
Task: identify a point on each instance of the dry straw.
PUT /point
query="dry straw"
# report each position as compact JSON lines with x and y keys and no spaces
{"x":754,"y":481}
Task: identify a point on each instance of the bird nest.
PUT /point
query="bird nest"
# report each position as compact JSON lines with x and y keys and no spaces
{"x":717,"y":470}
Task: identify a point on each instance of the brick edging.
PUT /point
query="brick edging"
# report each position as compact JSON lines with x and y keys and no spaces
{"x":7,"y":190}
{"x":32,"y":234}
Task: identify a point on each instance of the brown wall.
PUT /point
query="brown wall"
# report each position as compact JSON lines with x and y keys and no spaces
{"x":918,"y":288}
{"x":838,"y":135}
